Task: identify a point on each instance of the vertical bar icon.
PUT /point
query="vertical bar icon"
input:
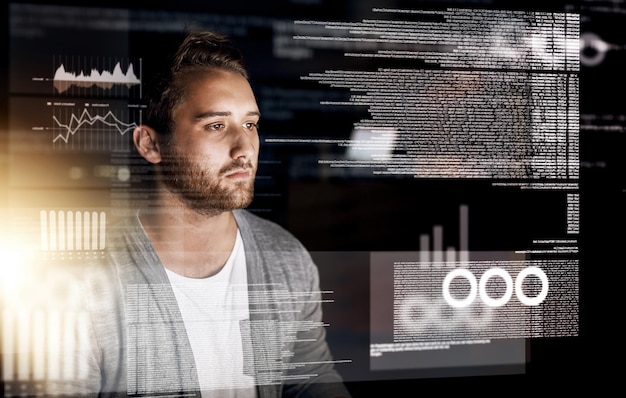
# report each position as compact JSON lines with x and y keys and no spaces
{"x":438,"y":244}
{"x":8,"y":345}
{"x":424,"y":248}
{"x":54,"y":349}
{"x":44,"y":228}
{"x":79,"y":231}
{"x":23,"y":345}
{"x":86,"y":231}
{"x":464,"y":234}
{"x":102,"y":231}
{"x":39,"y":345}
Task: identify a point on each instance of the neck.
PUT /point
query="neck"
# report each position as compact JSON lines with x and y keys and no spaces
{"x":187,"y":242}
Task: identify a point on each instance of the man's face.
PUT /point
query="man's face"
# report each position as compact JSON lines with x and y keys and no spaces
{"x":211,"y":160}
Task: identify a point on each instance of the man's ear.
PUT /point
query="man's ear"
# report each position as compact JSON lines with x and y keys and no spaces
{"x":146,"y":141}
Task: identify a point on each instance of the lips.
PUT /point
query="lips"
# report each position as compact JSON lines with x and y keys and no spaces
{"x":238,"y":173}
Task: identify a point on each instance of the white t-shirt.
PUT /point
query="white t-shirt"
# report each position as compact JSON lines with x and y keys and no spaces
{"x":212,"y":309}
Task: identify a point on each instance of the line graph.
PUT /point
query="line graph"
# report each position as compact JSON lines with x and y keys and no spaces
{"x":105,"y":131}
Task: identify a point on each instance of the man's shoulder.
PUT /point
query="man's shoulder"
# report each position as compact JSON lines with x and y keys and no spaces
{"x":265,"y":232}
{"x":248,"y":220}
{"x":275,"y":253}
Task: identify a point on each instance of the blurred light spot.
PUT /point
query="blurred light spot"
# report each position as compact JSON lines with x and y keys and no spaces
{"x":104,"y":171}
{"x":76,"y":173}
{"x":123,"y":173}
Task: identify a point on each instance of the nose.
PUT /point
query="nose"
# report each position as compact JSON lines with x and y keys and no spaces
{"x":245,"y":144}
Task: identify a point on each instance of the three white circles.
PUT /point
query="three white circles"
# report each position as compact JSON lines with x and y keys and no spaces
{"x":480,"y":287}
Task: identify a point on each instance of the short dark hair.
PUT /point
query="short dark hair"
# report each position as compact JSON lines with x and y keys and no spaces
{"x":199,"y":51}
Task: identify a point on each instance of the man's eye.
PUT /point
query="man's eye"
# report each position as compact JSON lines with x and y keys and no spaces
{"x":215,"y":126}
{"x":251,"y":125}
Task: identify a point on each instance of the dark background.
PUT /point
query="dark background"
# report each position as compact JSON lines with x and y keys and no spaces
{"x":351,"y":214}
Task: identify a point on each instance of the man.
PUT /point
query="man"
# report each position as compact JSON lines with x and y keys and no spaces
{"x":197,"y":294}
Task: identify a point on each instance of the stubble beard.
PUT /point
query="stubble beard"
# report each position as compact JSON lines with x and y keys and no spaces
{"x":200,"y":192}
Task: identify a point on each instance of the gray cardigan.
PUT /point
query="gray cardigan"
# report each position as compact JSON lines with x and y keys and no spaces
{"x":139,"y":345}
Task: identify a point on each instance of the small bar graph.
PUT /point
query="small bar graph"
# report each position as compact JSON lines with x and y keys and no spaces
{"x":72,"y":230}
{"x":42,"y":345}
{"x":431,"y":246}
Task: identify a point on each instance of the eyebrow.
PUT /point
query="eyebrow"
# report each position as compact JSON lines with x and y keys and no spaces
{"x":206,"y":115}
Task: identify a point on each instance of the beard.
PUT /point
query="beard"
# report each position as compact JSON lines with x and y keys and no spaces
{"x":201,"y":192}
